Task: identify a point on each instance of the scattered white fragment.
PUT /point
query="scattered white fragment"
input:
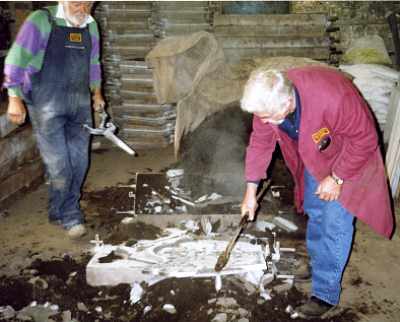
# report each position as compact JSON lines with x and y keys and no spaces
{"x":276,"y":255}
{"x":243,"y":320}
{"x":157,"y":209}
{"x":172,"y":292}
{"x":220,"y":317}
{"x":201,"y":199}
{"x":206,"y":225}
{"x":175,"y":173}
{"x":190,"y":225}
{"x":285,"y":224}
{"x":275,"y":193}
{"x":214,"y":196}
{"x":267,"y":278}
{"x":46,"y":304}
{"x":145,"y":185}
{"x":33,"y":304}
{"x":127,"y":220}
{"x":288,"y":249}
{"x":186,"y":202}
{"x":289,"y":309}
{"x":136,"y":293}
{"x":254,"y":277}
{"x":98,"y":309}
{"x":263,"y":225}
{"x":98,"y":243}
{"x":266,"y":295}
{"x":147,"y":309}
{"x":169,"y":308}
{"x":218,"y":282}
{"x":82,"y":307}
{"x":294,"y":315}
{"x":182,"y":209}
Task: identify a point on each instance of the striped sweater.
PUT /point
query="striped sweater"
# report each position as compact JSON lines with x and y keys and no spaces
{"x":27,"y":52}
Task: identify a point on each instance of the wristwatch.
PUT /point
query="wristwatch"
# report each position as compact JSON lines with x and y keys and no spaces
{"x":338,"y":180}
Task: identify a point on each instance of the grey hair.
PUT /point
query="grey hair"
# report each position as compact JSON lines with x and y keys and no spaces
{"x":266,"y":91}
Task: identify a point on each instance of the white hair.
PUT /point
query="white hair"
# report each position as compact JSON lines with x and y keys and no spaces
{"x":266,"y":91}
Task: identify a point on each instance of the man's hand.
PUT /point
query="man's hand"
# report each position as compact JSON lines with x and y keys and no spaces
{"x":328,"y":189}
{"x":98,"y":101}
{"x":249,"y":203}
{"x":16,"y":111}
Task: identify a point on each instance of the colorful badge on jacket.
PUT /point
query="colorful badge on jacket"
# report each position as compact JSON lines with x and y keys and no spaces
{"x":322,"y":138}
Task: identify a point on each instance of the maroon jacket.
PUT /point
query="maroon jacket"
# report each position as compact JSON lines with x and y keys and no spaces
{"x":331,"y":106}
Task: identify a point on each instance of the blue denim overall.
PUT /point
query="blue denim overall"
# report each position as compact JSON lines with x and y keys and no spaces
{"x":329,"y":229}
{"x":59,"y":104}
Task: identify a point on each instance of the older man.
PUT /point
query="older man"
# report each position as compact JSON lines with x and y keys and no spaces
{"x":53,"y":66}
{"x":329,"y":142}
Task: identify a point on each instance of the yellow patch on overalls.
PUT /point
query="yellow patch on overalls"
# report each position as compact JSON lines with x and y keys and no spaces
{"x":75,"y":37}
{"x":317,"y":136}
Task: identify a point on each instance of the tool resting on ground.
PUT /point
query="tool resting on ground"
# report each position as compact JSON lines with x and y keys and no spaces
{"x":107,"y":129}
{"x":224,"y":257}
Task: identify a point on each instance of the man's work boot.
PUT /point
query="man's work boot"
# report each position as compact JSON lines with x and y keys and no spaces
{"x":76,"y":231}
{"x":313,"y":308}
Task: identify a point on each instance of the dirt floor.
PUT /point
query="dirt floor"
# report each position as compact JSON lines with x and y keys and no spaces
{"x":38,"y":263}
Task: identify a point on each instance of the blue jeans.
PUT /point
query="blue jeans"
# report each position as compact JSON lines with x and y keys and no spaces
{"x":329,"y":238}
{"x":64,"y":147}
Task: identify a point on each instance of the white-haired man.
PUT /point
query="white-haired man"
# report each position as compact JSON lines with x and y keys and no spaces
{"x":53,"y":66}
{"x":329,"y":142}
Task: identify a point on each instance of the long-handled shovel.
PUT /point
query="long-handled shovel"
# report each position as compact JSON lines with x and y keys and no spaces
{"x":224,"y":257}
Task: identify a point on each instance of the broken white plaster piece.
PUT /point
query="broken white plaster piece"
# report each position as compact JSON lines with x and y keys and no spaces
{"x":186,"y":202}
{"x":265,"y":294}
{"x":98,"y":243}
{"x":127,"y":220}
{"x":276,"y":255}
{"x":136,"y":293}
{"x":174,"y":173}
{"x":201,"y":199}
{"x":263,"y":225}
{"x":285,"y":224}
{"x":214,"y":196}
{"x":218,"y":282}
{"x":177,"y":255}
{"x":147,"y":309}
{"x":190,"y":225}
{"x":275,"y":194}
{"x":169,"y":308}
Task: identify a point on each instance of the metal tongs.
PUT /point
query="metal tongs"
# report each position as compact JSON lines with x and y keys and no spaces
{"x":107,"y":129}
